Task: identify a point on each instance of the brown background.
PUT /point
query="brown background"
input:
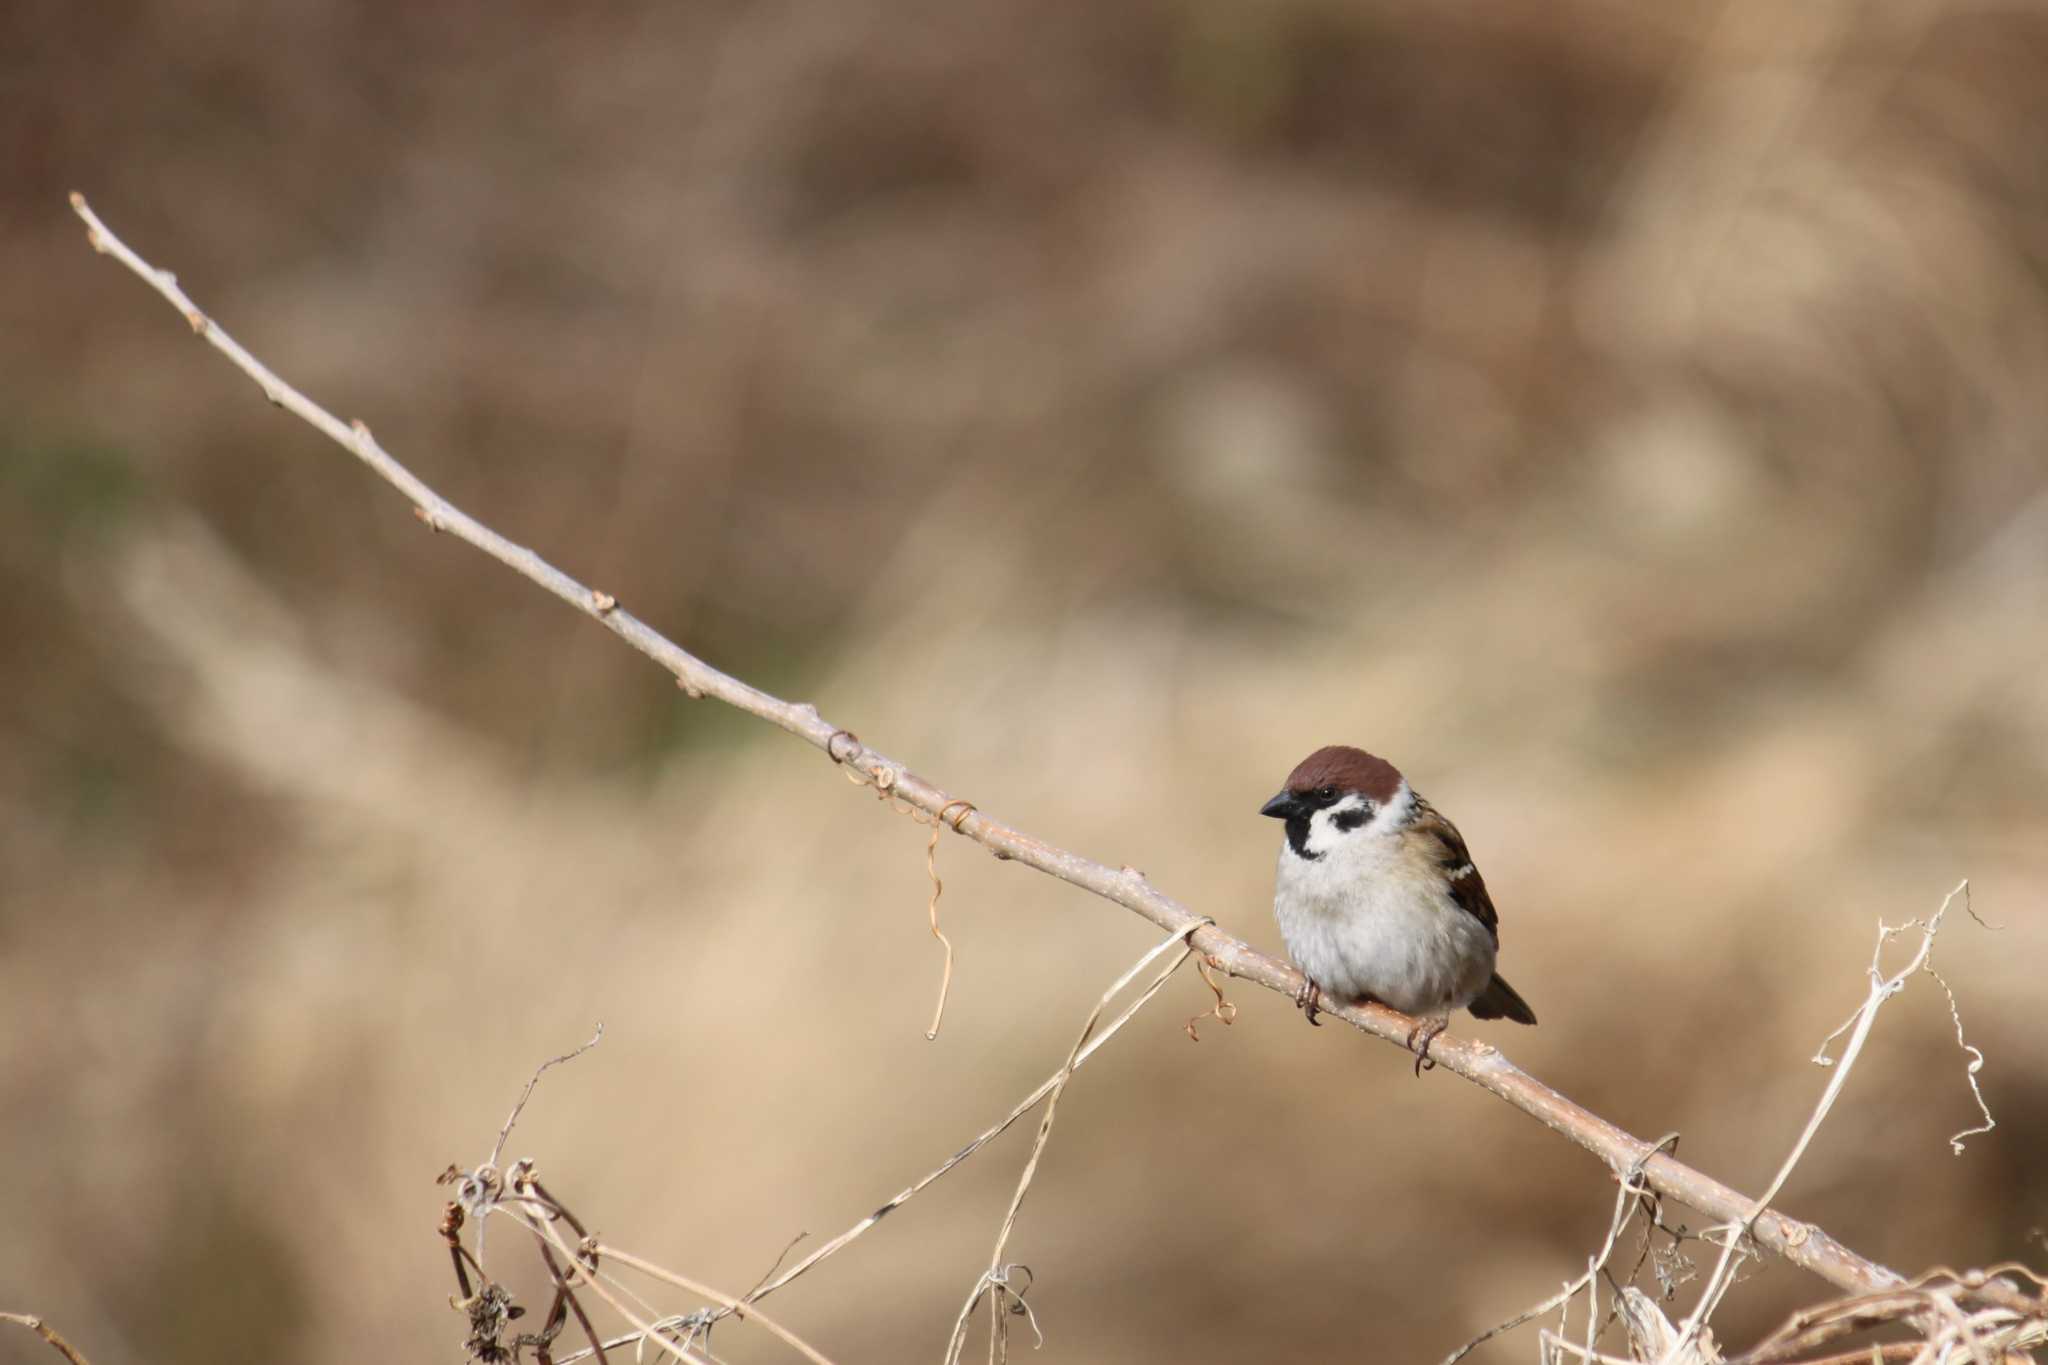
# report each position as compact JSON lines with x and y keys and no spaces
{"x":1630,"y":418}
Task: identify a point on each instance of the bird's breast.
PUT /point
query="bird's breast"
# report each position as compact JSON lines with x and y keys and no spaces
{"x":1372,"y":921}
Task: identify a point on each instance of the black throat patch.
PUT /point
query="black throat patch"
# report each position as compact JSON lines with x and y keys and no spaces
{"x":1297,"y":837}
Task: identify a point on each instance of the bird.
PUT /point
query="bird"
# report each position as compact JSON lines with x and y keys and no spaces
{"x":1378,"y":899}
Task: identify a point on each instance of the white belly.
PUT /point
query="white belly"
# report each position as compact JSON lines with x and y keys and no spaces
{"x":1358,"y":923}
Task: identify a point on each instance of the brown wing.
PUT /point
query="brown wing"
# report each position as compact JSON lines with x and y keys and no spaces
{"x":1468,"y":888}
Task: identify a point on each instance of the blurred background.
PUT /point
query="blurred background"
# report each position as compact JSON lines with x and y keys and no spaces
{"x":1630,"y":419}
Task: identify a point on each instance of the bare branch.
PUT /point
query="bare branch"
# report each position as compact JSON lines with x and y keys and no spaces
{"x":1801,"y":1243}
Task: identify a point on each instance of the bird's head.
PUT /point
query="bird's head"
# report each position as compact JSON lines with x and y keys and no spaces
{"x":1335,"y":794}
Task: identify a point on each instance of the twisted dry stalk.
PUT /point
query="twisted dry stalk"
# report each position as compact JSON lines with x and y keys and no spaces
{"x":1801,"y":1243}
{"x":487,"y":1190}
{"x":1963,"y":1322}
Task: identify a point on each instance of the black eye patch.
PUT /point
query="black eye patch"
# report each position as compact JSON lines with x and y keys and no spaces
{"x":1348,"y":820}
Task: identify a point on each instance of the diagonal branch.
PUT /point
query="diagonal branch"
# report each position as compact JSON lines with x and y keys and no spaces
{"x":1801,"y":1243}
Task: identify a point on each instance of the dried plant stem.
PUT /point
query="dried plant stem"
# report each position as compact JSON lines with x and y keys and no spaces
{"x":1858,"y":1025}
{"x":994,"y":1281}
{"x":505,"y":1133}
{"x":982,"y":1139}
{"x":575,"y":1271}
{"x":777,"y":1282}
{"x":1801,"y":1243}
{"x":955,"y":811}
{"x":739,"y":1308}
{"x":498,"y":1148}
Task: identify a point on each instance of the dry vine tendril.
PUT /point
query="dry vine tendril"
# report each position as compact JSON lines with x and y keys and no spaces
{"x":953,"y":813}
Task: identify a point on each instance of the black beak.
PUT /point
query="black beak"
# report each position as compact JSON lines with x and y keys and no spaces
{"x":1285,"y":806}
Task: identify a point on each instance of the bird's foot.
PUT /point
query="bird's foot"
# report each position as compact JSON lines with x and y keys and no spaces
{"x":1309,"y":1000}
{"x":1425,"y":1033}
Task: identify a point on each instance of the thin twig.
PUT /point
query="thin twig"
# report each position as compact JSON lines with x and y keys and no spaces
{"x":48,"y":1334}
{"x":1874,"y":1354}
{"x":498,"y":1148}
{"x":1801,"y":1243}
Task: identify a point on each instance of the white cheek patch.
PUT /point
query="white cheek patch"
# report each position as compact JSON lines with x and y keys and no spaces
{"x":1332,"y":825}
{"x":1395,"y":813}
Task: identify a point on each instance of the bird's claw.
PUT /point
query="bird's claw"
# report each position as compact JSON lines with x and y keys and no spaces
{"x":1309,"y":1000}
{"x":1426,"y":1032}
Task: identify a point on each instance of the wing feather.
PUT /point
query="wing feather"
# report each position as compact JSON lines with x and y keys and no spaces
{"x":1468,"y":888}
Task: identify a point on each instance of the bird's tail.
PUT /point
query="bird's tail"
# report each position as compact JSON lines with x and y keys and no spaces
{"x":1499,"y":1001}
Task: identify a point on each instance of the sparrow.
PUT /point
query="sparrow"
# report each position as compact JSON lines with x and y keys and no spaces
{"x":1378,"y":899}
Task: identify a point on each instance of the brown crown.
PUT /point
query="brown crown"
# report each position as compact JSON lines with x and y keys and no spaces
{"x":1348,"y":770}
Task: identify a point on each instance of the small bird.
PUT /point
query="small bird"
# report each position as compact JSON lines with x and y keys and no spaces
{"x":1378,"y":899}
